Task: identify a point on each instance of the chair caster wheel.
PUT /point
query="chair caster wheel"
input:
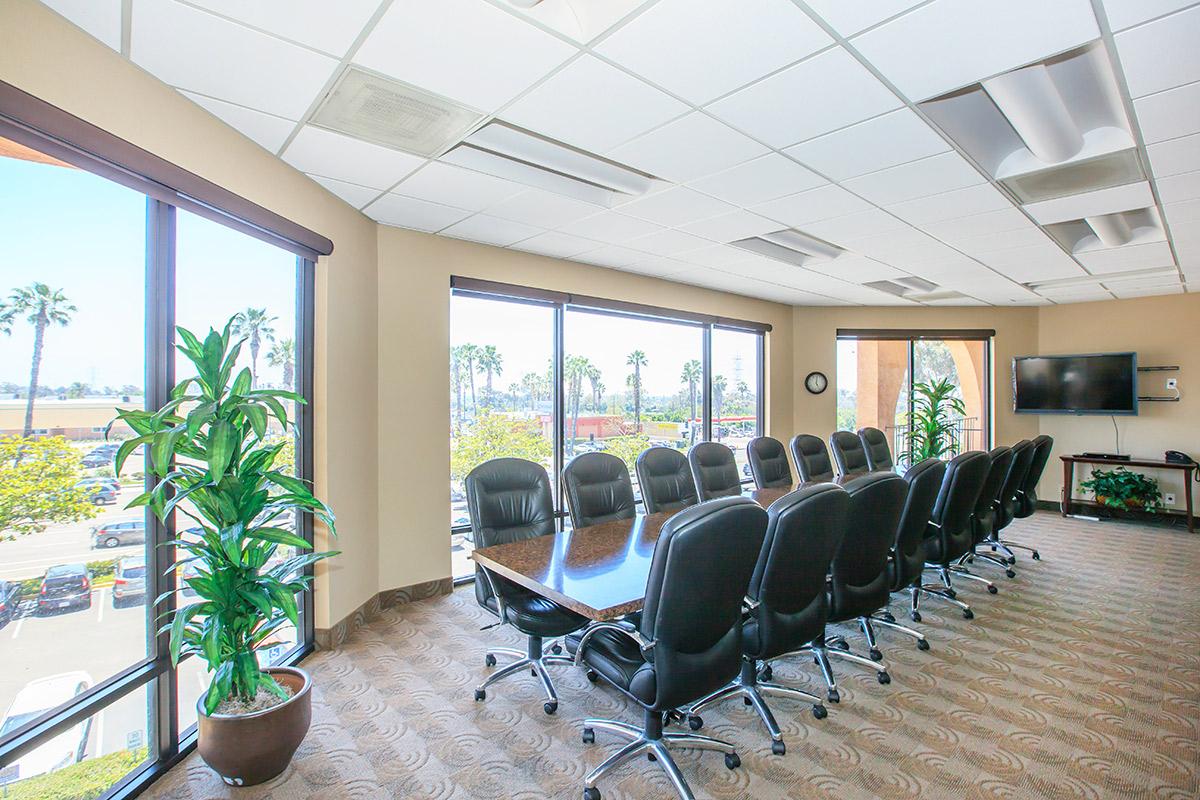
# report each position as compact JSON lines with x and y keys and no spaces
{"x":887,"y":615}
{"x":915,"y":616}
{"x":778,"y":748}
{"x":767,"y":673}
{"x":695,"y":722}
{"x":1012,"y":559}
{"x":922,"y":644}
{"x":489,"y":660}
{"x":820,"y":712}
{"x":970,"y":561}
{"x":746,"y":701}
{"x":556,"y":649}
{"x":876,"y":655}
{"x":1010,"y":573}
{"x":1037,"y":556}
{"x":550,"y":707}
{"x":884,"y":678}
{"x":833,"y":696}
{"x":952,"y":593}
{"x":480,"y":695}
{"x":591,"y":794}
{"x":732,"y":761}
{"x":533,"y":671}
{"x":968,"y":614}
{"x":842,"y":645}
{"x":589,"y":736}
{"x":592,"y":676}
{"x":992,"y":590}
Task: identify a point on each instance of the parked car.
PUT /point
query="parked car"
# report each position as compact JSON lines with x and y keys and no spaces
{"x":100,"y":491}
{"x":129,"y":580}
{"x":10,"y":601}
{"x":34,"y":700}
{"x":115,"y":534}
{"x":65,"y":586}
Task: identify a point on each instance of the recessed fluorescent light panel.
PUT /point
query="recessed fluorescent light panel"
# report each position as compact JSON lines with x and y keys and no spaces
{"x":518,"y":155}
{"x":913,"y":288}
{"x":1077,"y":177}
{"x":1107,"y":277}
{"x":393,"y":114}
{"x":790,"y":247}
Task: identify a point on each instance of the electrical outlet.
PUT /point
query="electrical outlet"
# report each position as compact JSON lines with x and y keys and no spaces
{"x":1168,"y":499}
{"x":1172,"y":383}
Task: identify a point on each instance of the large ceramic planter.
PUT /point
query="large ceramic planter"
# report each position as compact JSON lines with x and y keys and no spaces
{"x":252,"y":748}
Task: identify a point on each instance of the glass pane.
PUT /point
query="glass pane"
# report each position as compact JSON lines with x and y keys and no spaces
{"x":87,"y":759}
{"x":501,"y":398}
{"x":631,"y":384}
{"x":962,"y":366}
{"x":735,"y":391}
{"x":72,"y":558}
{"x":872,"y":381}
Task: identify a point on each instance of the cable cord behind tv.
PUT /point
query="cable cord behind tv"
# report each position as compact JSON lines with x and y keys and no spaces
{"x":1116,"y":434}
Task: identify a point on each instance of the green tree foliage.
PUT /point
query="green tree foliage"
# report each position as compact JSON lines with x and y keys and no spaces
{"x":37,"y":485}
{"x":627,"y":448}
{"x":494,"y":435}
{"x":283,"y":354}
{"x":637,"y":359}
{"x":42,"y":307}
{"x":932,"y":421}
{"x":83,"y":781}
{"x":254,"y":324}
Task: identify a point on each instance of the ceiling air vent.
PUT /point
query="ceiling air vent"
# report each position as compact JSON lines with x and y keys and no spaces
{"x":393,"y":114}
{"x":911,"y":287}
{"x":790,"y":247}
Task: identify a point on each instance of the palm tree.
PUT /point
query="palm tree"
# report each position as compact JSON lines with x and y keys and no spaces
{"x":693,"y":373}
{"x":254,"y":323}
{"x":637,"y":360}
{"x":456,"y":382}
{"x":593,"y":377}
{"x":514,"y":391}
{"x":531,"y":384}
{"x":283,"y":354}
{"x":467,"y":354}
{"x":719,"y":383}
{"x":575,"y":369}
{"x":491,"y":363}
{"x":43,"y":306}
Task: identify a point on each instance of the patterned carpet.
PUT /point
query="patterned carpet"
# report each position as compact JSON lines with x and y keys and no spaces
{"x":1081,"y":679}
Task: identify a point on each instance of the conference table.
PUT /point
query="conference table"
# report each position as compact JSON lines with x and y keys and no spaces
{"x":599,"y":571}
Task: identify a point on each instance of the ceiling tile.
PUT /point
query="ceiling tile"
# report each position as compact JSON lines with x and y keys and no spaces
{"x":407,"y":212}
{"x":883,"y":246}
{"x":1033,"y":263}
{"x":558,"y":245}
{"x":1175,"y":156}
{"x":581,"y":22}
{"x":543,"y":209}
{"x":609,"y":226}
{"x":856,"y":270}
{"x":1126,"y":13}
{"x":1185,"y":215}
{"x":594,"y":106}
{"x":818,"y":95}
{"x":100,"y":18}
{"x":467,"y":50}
{"x":692,"y":48}
{"x":688,"y":148}
{"x":929,"y":176}
{"x":719,"y":256}
{"x":848,"y":17}
{"x":949,"y":43}
{"x":191,"y":49}
{"x":759,"y":180}
{"x":332,"y":155}
{"x":491,"y":230}
{"x":1006,"y":219}
{"x":885,"y":141}
{"x":824,"y":202}
{"x":352,"y":193}
{"x":267,"y":130}
{"x":1177,"y":188}
{"x":950,"y":205}
{"x":1128,"y":293}
{"x":732,"y":226}
{"x":1122,"y":259}
{"x":1099,"y":201}
{"x":854,"y":226}
{"x":674,"y":207}
{"x":983,"y":244}
{"x":1169,"y":114}
{"x":612,"y":256}
{"x":668,"y":242}
{"x":1162,"y":54}
{"x":458,"y":187}
{"x":331,"y":27}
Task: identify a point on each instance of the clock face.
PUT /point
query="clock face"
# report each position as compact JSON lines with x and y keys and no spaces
{"x":816,"y":382}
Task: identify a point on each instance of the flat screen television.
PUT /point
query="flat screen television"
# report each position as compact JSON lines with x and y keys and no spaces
{"x":1096,"y":383}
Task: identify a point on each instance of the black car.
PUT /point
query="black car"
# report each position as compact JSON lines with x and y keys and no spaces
{"x":65,"y":586}
{"x":10,"y":601}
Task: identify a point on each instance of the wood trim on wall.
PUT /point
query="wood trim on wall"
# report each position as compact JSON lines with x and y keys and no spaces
{"x":895,"y":334}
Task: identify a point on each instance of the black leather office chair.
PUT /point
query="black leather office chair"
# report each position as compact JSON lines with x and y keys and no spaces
{"x":598,"y":489}
{"x":768,"y":463}
{"x":812,"y":458}
{"x":848,"y":453}
{"x":665,"y":480}
{"x":988,"y":534}
{"x":949,"y":535}
{"x":787,"y":597}
{"x":1027,"y":494}
{"x":509,"y":500}
{"x":714,"y":471}
{"x":908,"y":552}
{"x":689,"y":640}
{"x":983,"y":517}
{"x":875,"y":445}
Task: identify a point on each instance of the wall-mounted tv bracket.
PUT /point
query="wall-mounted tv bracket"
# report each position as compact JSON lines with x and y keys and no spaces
{"x":1159,"y":398}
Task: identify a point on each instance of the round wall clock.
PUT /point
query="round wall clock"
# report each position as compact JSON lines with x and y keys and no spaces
{"x":816,"y":382}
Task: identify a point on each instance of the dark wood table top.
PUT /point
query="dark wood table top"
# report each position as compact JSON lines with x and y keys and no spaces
{"x":1135,"y":461}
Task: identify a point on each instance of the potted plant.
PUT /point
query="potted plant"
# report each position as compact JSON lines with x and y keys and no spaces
{"x":216,"y":464}
{"x":1123,"y":489}
{"x":931,"y":421}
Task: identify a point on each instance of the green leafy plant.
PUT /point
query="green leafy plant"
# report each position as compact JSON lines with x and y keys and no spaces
{"x":1121,"y":488}
{"x":215,"y":462}
{"x":933,"y":419}
{"x":37,"y":485}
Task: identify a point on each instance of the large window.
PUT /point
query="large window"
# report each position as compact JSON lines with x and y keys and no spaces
{"x":96,"y":276}
{"x":617,"y":381}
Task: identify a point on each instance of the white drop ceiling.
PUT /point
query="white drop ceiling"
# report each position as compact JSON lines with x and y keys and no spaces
{"x":869,"y":124}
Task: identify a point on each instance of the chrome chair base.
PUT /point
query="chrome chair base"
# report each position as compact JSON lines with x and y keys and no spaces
{"x":656,"y":745}
{"x":888,"y":621}
{"x":821,"y":650}
{"x":945,"y":591}
{"x":535,"y":659}
{"x":1006,"y":543}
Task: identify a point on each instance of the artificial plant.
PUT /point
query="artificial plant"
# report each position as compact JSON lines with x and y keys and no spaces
{"x":935,"y":414}
{"x":209,"y":449}
{"x":1122,"y":488}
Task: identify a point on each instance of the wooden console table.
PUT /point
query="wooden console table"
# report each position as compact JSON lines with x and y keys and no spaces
{"x":1069,"y":463}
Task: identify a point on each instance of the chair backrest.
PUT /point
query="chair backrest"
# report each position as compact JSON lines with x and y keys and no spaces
{"x":848,"y":453}
{"x":875,"y":445}
{"x":768,"y":463}
{"x":702,"y":564}
{"x":665,"y":480}
{"x":1006,"y":503}
{"x":508,"y":499}
{"x":859,"y":573}
{"x":714,"y":471}
{"x":952,"y":513}
{"x":598,"y":489}
{"x":924,"y":481}
{"x":989,"y":495}
{"x":812,"y":458}
{"x":804,"y":529}
{"x":1037,"y":465}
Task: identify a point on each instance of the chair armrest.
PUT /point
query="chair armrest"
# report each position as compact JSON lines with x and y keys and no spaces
{"x":626,"y":628}
{"x":501,"y":606}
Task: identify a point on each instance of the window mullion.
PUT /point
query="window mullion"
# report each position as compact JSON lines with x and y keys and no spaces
{"x":706,"y":368}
